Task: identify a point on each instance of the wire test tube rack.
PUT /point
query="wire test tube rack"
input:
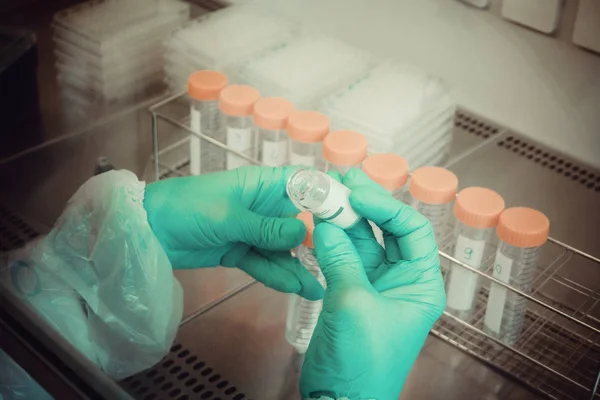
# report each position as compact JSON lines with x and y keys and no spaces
{"x":558,"y":351}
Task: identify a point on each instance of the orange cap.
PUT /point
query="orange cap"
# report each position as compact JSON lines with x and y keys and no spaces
{"x":389,"y":170}
{"x":238,"y":100}
{"x":272,"y":112}
{"x":478,"y":207}
{"x":433,"y":185}
{"x":345,"y":148}
{"x":523,"y":227}
{"x":206,"y":84}
{"x":308,"y":126}
{"x":307,"y":218}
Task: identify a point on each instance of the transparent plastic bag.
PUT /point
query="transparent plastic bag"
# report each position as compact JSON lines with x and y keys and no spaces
{"x":16,"y":384}
{"x":102,"y":279}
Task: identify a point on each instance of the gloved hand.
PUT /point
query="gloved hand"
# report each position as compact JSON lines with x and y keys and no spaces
{"x":375,"y":318}
{"x":236,"y":218}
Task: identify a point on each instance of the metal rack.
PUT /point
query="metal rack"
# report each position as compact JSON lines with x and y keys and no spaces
{"x":558,"y":353}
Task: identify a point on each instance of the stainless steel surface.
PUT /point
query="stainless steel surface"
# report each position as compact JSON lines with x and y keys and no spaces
{"x":556,"y":355}
{"x":182,"y":375}
{"x":243,"y":340}
{"x":39,"y":183}
{"x":567,"y":191}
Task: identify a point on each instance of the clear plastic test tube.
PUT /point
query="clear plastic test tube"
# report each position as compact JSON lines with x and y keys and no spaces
{"x":391,"y":172}
{"x":306,"y":130}
{"x":431,"y":192}
{"x":326,"y":198}
{"x":522,"y":231}
{"x":236,"y":103}
{"x":271,"y":117}
{"x":204,"y":88}
{"x":477,"y":211}
{"x":303,"y":314}
{"x":343,"y":150}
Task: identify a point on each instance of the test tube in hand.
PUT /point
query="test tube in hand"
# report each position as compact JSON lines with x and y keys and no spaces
{"x":326,"y":198}
{"x":303,"y":314}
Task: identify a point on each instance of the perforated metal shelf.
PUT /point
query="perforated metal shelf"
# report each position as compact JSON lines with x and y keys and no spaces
{"x":182,"y":375}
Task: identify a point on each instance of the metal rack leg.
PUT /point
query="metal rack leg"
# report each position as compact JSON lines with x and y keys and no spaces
{"x":155,"y":145}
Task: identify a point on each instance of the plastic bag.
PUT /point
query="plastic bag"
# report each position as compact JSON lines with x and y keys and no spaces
{"x":16,"y":384}
{"x":102,"y":279}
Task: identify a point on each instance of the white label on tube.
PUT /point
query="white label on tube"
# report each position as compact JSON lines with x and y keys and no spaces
{"x":195,"y":142}
{"x":463,"y":283}
{"x":239,"y":139}
{"x":378,"y":233}
{"x":336,"y":208}
{"x":297,"y":159}
{"x":497,"y":298}
{"x":274,"y":154}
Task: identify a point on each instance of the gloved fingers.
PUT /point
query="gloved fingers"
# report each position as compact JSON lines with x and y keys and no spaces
{"x":370,"y":251}
{"x":235,"y":253}
{"x":408,"y":282}
{"x":363,"y":238}
{"x":311,"y":289}
{"x":270,"y":233}
{"x":412,"y":230}
{"x":392,"y":250}
{"x":339,"y":261}
{"x":335,"y":175}
{"x":279,"y":273}
{"x":356,"y":178}
{"x":262,"y":190}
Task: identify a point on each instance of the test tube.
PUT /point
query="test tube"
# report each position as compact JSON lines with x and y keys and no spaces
{"x":343,"y":150}
{"x":431,"y":192}
{"x":326,"y":198}
{"x":391,"y":172}
{"x":477,"y":210}
{"x":306,"y":130}
{"x":522,"y":231}
{"x":270,"y":117}
{"x":236,"y":103}
{"x":303,"y":314}
{"x":204,"y":88}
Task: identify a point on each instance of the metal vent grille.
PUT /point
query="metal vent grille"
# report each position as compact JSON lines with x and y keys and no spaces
{"x":474,"y":125}
{"x":556,"y":163}
{"x":14,"y":232}
{"x":181,"y":375}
